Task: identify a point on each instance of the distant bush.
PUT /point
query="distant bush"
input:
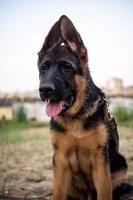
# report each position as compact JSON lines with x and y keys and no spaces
{"x":124,"y":116}
{"x":21,"y":115}
{"x":121,"y":114}
{"x":131,"y":114}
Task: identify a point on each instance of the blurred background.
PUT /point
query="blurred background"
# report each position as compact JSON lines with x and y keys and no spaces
{"x":106,"y":28}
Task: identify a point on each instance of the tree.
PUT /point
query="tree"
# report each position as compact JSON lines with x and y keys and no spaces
{"x":21,"y":114}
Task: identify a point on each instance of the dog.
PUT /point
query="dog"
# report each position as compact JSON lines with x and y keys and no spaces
{"x":87,"y":164}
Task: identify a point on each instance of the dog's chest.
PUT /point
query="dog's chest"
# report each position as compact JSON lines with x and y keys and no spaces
{"x":80,"y":147}
{"x":88,"y":149}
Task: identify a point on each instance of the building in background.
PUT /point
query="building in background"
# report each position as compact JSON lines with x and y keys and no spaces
{"x":35,"y":110}
{"x":115,"y":84}
{"x":6,"y":111}
{"x":115,"y":88}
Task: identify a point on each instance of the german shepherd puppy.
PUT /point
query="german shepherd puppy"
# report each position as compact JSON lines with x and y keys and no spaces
{"x":86,"y":161}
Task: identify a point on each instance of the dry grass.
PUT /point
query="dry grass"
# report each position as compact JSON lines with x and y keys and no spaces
{"x":26,"y":165}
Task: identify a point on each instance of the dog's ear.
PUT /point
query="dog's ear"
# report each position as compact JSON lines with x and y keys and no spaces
{"x":53,"y":38}
{"x":70,"y":36}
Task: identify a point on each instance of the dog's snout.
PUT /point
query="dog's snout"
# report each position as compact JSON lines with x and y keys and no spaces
{"x":47,"y":89}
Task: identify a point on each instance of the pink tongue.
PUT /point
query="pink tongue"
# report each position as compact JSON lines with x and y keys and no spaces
{"x":53,"y":110}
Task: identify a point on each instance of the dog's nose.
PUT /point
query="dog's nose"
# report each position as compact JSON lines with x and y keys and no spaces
{"x":47,"y":89}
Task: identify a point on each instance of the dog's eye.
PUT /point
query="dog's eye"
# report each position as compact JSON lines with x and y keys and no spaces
{"x":65,"y":66}
{"x":45,"y":67}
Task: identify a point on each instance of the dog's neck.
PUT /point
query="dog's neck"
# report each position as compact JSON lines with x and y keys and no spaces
{"x":92,"y":113}
{"x":93,"y":109}
{"x":82,"y":121}
{"x":93,"y":99}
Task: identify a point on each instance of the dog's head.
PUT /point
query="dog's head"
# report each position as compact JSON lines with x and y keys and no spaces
{"x":62,"y":65}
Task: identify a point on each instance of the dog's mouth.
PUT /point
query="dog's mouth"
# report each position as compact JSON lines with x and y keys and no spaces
{"x":54,"y":109}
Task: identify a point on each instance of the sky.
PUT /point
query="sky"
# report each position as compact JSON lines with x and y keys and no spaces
{"x":106,"y":27}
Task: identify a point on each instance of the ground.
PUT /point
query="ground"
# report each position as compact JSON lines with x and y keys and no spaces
{"x":26,"y":163}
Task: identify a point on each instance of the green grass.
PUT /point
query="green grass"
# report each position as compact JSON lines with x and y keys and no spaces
{"x":128,"y":123}
{"x":14,"y":132}
{"x":124,"y":116}
{"x":14,"y":126}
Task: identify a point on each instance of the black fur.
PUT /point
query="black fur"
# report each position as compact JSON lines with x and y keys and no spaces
{"x":56,"y":126}
{"x":124,"y":192}
{"x":117,"y":162}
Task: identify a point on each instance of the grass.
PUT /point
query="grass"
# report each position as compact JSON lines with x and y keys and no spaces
{"x":3,"y":188}
{"x":14,"y":126}
{"x":25,"y":153}
{"x":26,"y":158}
{"x":41,"y":173}
{"x":124,"y":116}
{"x":128,"y":123}
{"x":13,"y":132}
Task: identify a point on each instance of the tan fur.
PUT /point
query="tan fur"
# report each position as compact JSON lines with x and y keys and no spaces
{"x":84,"y":58}
{"x":81,"y":85}
{"x":62,"y":178}
{"x":102,"y":179}
{"x":79,"y":149}
{"x":118,"y":178}
{"x":72,"y":46}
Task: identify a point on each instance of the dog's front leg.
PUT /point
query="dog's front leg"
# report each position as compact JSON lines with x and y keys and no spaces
{"x":102,"y":180}
{"x":62,"y":178}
